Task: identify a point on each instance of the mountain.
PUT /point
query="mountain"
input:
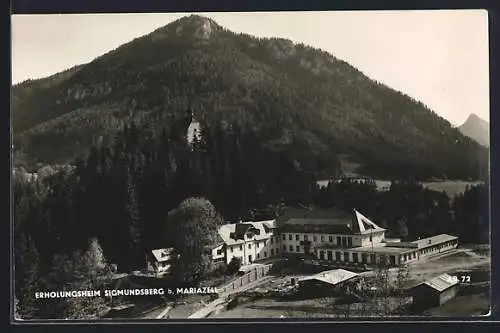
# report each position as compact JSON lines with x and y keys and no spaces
{"x":477,"y":129}
{"x":321,"y":109}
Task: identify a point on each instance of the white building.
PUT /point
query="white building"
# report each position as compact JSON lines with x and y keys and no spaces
{"x":161,"y":261}
{"x":249,"y":241}
{"x":332,"y":236}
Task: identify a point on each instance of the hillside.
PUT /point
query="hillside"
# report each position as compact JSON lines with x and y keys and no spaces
{"x":296,"y":97}
{"x":477,"y":129}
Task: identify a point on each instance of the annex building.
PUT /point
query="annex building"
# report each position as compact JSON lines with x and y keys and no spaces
{"x":330,"y":236}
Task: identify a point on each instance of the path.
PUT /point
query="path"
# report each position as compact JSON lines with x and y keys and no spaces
{"x":205,"y":311}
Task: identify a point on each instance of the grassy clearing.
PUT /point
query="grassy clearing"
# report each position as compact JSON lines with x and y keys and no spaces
{"x":451,"y":187}
{"x":463,"y":306}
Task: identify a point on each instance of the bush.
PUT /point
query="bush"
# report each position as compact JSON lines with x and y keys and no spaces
{"x":233,"y":266}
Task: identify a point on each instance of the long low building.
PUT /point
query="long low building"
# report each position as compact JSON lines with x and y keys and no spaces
{"x":393,"y":253}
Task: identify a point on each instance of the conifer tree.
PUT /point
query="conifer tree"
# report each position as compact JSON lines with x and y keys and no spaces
{"x":26,"y":271}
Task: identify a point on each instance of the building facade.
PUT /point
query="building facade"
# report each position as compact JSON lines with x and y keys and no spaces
{"x":250,"y":241}
{"x":341,"y":238}
{"x":160,"y":261}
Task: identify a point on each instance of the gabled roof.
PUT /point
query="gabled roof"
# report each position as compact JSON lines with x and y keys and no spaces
{"x":161,"y":255}
{"x":329,"y":221}
{"x":441,"y":282}
{"x":332,"y":277}
{"x":363,"y":224}
{"x":233,"y":233}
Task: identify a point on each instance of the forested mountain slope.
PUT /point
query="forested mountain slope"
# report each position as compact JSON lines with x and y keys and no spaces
{"x":294,"y":96}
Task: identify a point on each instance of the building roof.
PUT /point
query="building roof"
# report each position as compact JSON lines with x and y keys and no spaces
{"x":441,"y":282}
{"x":430,"y":241}
{"x":363,"y":224}
{"x":233,"y":233}
{"x":161,"y":255}
{"x":328,"y":222}
{"x":332,"y":277}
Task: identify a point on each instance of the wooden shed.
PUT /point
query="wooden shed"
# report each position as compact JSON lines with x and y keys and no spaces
{"x":327,"y":283}
{"x":434,"y":292}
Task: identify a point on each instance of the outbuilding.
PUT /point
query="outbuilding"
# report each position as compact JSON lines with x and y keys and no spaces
{"x":327,"y":283}
{"x":434,"y":292}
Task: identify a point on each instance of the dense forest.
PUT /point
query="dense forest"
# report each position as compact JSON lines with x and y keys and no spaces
{"x":122,"y":200}
{"x":292,"y":96}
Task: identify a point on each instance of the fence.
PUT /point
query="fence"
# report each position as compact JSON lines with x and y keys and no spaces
{"x":255,"y":274}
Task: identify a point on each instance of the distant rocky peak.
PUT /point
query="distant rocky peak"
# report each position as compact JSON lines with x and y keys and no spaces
{"x":474,"y":119}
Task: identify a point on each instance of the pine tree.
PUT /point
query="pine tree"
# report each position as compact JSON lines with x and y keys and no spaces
{"x":26,"y":272}
{"x":130,"y":230}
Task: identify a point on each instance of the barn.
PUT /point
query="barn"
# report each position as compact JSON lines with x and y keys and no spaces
{"x":327,"y":283}
{"x":434,"y":292}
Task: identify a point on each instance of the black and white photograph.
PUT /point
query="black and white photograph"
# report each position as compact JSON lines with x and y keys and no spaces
{"x":313,"y":165}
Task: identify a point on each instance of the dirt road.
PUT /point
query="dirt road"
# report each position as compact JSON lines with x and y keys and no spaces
{"x":212,"y":306}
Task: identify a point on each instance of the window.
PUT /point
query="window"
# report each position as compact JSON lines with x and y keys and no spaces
{"x":284,"y":247}
{"x":322,"y":255}
{"x":337,"y":255}
{"x":241,"y":248}
{"x":272,"y":240}
{"x":330,"y":255}
{"x":284,"y":237}
{"x":338,"y":240}
{"x":277,"y":249}
{"x":272,"y":252}
{"x":322,"y":238}
{"x":265,"y":254}
{"x":315,"y":238}
{"x":305,"y":237}
{"x":297,"y":237}
{"x":355,"y":257}
{"x":297,"y":248}
{"x":257,"y":244}
{"x":258,"y":255}
{"x":370,"y":238}
{"x":346,"y":256}
{"x":265,"y":242}
{"x":232,"y":249}
{"x":290,"y":248}
{"x":219,"y":252}
{"x":330,"y":239}
{"x":249,"y":246}
{"x":290,"y":237}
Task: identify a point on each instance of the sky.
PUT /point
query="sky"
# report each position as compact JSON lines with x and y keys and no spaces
{"x":439,"y":57}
